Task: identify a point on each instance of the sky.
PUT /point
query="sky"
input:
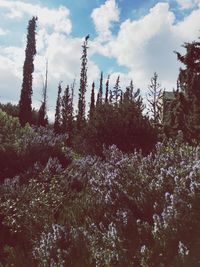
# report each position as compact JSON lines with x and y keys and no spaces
{"x":130,"y":38}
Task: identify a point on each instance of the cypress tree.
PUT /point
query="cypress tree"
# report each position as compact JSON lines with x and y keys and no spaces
{"x":25,"y":109}
{"x":83,"y":86}
{"x":107,"y":89}
{"x":128,"y":95}
{"x":100,"y":93}
{"x":42,"y":116}
{"x":57,"y":123}
{"x":67,"y":114}
{"x":116,"y":93}
{"x":92,"y":101}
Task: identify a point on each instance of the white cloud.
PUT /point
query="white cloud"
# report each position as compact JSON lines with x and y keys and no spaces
{"x":103,"y":17}
{"x":57,"y":18}
{"x":146,"y":45}
{"x":3,"y":32}
{"x":187,"y":4}
{"x":10,"y":81}
{"x":189,"y":28}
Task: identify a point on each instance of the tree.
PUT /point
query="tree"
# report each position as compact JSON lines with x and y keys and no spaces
{"x":92,"y":101}
{"x":107,"y":89}
{"x":154,"y":98}
{"x":26,"y":92}
{"x":57,"y":123}
{"x":83,"y":86}
{"x":42,"y":116}
{"x":121,"y":123}
{"x":133,"y":96}
{"x":190,"y":85}
{"x":67,"y":114}
{"x":185,"y":108}
{"x":100,"y":93}
{"x":116,"y":93}
{"x":190,"y":76}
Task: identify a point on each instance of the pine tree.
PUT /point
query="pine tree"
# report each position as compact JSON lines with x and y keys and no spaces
{"x":190,"y":76}
{"x":154,"y":98}
{"x":100,"y":93}
{"x":42,"y":116}
{"x":107,"y":89}
{"x":57,"y":123}
{"x":72,"y":87}
{"x":92,"y":101}
{"x":25,"y":102}
{"x":190,"y":84}
{"x":67,"y":114}
{"x":134,"y":96}
{"x":83,"y":86}
{"x":116,"y":93}
{"x":185,"y":109}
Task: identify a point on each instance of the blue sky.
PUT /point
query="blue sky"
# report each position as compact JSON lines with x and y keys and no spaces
{"x":130,"y":38}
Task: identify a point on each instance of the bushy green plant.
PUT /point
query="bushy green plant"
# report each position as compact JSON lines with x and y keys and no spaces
{"x":11,"y":136}
{"x":22,"y":147}
{"x":121,"y":124}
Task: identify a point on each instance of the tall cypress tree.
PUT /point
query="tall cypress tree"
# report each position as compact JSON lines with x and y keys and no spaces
{"x":57,"y":123}
{"x":100,"y":93}
{"x":67,"y":114}
{"x":83,"y":86}
{"x":25,"y":109}
{"x":107,"y":89}
{"x":92,"y":102}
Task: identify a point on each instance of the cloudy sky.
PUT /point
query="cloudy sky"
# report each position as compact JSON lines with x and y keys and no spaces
{"x":130,"y":38}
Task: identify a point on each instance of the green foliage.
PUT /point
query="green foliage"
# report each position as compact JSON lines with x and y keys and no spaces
{"x":107,"y":89}
{"x":185,"y":111}
{"x":21,"y":147}
{"x":57,"y":123}
{"x":67,"y":115}
{"x":100,"y":93}
{"x":92,"y":101}
{"x":11,"y":144}
{"x":122,"y":125}
{"x":83,"y":86}
{"x":13,"y":110}
{"x":154,"y":97}
{"x":10,"y":109}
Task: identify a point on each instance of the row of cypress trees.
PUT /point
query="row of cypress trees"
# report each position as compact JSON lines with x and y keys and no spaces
{"x":183,"y":113}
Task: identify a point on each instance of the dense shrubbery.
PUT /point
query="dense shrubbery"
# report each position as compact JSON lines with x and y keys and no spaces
{"x":120,"y":124}
{"x":123,"y":210}
{"x":21,"y":147}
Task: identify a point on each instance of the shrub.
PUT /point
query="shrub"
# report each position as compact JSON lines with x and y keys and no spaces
{"x":122,"y":210}
{"x":21,"y":148}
